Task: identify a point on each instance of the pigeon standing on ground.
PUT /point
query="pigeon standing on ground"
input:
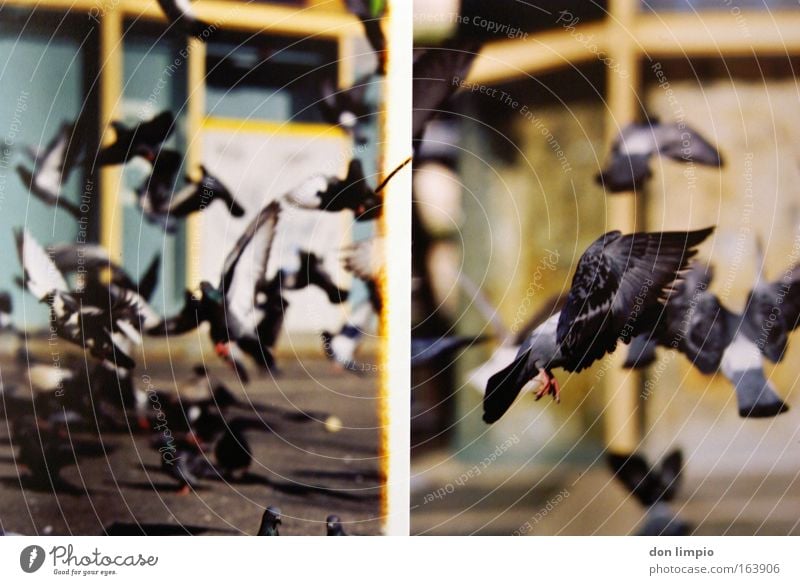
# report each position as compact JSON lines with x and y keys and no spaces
{"x":654,"y":488}
{"x":333,"y":526}
{"x":715,"y":339}
{"x":629,"y":164}
{"x":181,"y":15}
{"x":52,"y":169}
{"x":616,"y":294}
{"x":270,"y":522}
{"x":144,"y":139}
{"x":232,"y":452}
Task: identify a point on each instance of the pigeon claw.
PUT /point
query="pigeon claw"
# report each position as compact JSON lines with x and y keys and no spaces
{"x":222,"y":349}
{"x":548,"y":385}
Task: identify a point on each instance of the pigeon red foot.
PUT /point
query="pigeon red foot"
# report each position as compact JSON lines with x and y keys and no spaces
{"x":547,"y":385}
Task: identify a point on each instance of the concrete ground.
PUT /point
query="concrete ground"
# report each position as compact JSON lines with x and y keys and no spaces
{"x":573,"y":500}
{"x":307,"y":469}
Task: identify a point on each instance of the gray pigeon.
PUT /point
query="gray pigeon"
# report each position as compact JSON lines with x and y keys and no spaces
{"x":629,"y":164}
{"x":616,"y":294}
{"x":654,"y":488}
{"x":270,"y":522}
{"x":696,"y":324}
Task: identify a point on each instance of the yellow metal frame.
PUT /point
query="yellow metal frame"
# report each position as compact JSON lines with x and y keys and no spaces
{"x":629,"y":36}
{"x":321,"y":18}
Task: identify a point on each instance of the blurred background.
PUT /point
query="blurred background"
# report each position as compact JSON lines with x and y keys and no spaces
{"x":505,"y":196}
{"x":247,"y":108}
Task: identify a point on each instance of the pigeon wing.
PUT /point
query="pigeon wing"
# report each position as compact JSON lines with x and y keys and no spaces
{"x":246,"y":265}
{"x":437,"y":73}
{"x":41,"y":276}
{"x":618,"y":283}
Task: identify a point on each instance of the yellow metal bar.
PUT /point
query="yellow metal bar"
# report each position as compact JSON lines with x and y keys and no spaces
{"x":195,"y":115}
{"x":257,"y":17}
{"x":719,"y":33}
{"x":395,"y":377}
{"x":539,"y":53}
{"x":111,"y":71}
{"x":212,"y":123}
{"x":621,"y":423}
{"x":327,"y":20}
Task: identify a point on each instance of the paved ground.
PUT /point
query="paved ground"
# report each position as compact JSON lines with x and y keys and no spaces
{"x":299,"y":465}
{"x":576,"y":501}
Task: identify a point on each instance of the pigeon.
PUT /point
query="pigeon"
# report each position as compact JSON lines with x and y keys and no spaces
{"x":346,"y":108}
{"x":232,"y":451}
{"x":366,"y":260}
{"x":181,"y":15}
{"x":270,"y":522}
{"x":154,"y":194}
{"x":340,"y":348}
{"x":42,"y":450}
{"x":772,"y":310}
{"x":235,"y":318}
{"x":333,"y":526}
{"x":426,"y":350}
{"x":197,"y":195}
{"x":629,"y":164}
{"x":353,"y":193}
{"x":370,"y":12}
{"x":101,"y":330}
{"x":52,"y":169}
{"x":183,"y":460}
{"x":330,"y":193}
{"x":309,"y":271}
{"x":654,"y":488}
{"x":616,"y":293}
{"x":438,"y":73}
{"x":697,"y":325}
{"x":6,"y":308}
{"x":144,"y":139}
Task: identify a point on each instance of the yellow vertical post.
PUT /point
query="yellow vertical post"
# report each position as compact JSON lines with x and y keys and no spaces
{"x":195,"y":113}
{"x":621,"y":422}
{"x":396,"y":339}
{"x":111,"y":71}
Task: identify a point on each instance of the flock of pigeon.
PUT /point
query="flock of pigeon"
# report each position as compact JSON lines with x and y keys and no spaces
{"x":97,"y":306}
{"x":643,"y":289}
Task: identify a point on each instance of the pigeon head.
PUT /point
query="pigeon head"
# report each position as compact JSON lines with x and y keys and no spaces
{"x":270,"y":521}
{"x":210,"y":293}
{"x":334,"y":525}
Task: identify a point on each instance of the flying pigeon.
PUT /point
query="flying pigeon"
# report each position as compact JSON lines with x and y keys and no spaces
{"x":52,"y":169}
{"x":629,"y":164}
{"x":425,"y":350}
{"x":696,"y":324}
{"x":346,"y":108}
{"x":101,"y":330}
{"x":341,"y":347}
{"x":330,"y":193}
{"x":270,"y":522}
{"x":370,"y":13}
{"x":197,"y":195}
{"x":616,"y":293}
{"x":654,"y":488}
{"x":181,"y":14}
{"x":235,"y":319}
{"x":144,"y":139}
{"x":333,"y":526}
